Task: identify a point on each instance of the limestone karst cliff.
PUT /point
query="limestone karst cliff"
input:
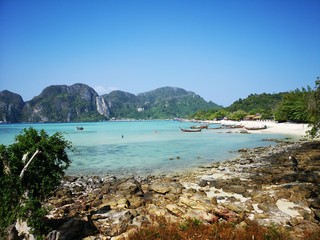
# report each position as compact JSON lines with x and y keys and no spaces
{"x":79,"y":103}
{"x":11,"y":105}
{"x":61,"y":103}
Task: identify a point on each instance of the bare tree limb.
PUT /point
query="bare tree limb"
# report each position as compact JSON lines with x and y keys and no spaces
{"x":28,"y":163}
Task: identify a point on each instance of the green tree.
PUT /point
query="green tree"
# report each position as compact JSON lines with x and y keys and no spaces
{"x":30,"y":169}
{"x":294,"y":107}
{"x":314,"y":110}
{"x":258,"y":103}
{"x":221,"y":114}
{"x":237,"y":115}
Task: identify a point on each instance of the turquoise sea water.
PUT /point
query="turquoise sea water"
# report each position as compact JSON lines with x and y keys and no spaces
{"x":142,"y":147}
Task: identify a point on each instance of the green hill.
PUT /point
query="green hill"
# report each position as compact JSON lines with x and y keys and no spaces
{"x":161,"y":103}
{"x":264,"y":104}
{"x":79,"y":102}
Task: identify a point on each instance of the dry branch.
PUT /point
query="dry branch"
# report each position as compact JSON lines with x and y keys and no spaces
{"x":28,"y":163}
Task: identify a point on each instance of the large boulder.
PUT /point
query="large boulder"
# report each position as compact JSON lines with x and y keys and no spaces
{"x":72,"y":229}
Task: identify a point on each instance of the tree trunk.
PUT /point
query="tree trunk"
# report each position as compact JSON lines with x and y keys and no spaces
{"x":28,"y":163}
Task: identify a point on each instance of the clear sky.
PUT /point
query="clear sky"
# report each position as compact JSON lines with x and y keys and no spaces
{"x":222,"y":50}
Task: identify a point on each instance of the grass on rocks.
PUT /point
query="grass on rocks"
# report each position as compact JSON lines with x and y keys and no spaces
{"x":194,"y":229}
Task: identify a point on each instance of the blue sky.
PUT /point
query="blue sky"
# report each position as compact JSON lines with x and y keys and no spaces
{"x":221,"y":49}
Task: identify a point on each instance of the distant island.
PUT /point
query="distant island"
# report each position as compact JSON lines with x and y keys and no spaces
{"x":80,"y":103}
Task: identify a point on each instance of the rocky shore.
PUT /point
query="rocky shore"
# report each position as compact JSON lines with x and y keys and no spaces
{"x":260,"y":185}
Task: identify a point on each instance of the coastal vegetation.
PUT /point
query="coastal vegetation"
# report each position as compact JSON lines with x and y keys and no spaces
{"x":314,"y":109}
{"x":30,"y":169}
{"x":298,"y":106}
{"x":288,"y":106}
{"x":264,"y":104}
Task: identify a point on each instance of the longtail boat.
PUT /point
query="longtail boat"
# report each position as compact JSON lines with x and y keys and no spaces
{"x":190,"y":130}
{"x":256,"y":128}
{"x":199,"y":127}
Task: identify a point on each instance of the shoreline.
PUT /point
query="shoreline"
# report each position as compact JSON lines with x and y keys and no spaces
{"x":288,"y":138}
{"x":259,"y":185}
{"x":292,"y":131}
{"x":295,"y":129}
{"x":281,"y":145}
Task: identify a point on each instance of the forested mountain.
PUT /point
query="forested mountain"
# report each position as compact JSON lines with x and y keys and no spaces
{"x":61,"y":103}
{"x":166,"y":102}
{"x":121,"y":104}
{"x":79,"y":102}
{"x":163,"y":93}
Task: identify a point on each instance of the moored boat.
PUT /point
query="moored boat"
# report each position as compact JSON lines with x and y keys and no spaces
{"x":190,"y":130}
{"x":256,"y":127}
{"x":232,"y":125}
{"x":199,"y":127}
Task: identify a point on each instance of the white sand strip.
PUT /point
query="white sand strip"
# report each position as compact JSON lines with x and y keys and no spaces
{"x":273,"y":127}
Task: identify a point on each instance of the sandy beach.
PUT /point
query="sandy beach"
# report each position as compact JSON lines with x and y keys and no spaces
{"x":296,"y":129}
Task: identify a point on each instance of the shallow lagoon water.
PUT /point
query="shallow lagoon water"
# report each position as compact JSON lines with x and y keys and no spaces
{"x":142,"y":147}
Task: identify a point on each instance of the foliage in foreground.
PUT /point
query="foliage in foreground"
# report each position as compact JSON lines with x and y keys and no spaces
{"x":194,"y":229}
{"x":30,"y":169}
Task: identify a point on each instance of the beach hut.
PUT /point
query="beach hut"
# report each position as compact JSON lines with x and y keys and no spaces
{"x":255,"y":117}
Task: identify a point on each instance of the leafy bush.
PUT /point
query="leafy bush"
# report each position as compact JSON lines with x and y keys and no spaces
{"x":30,"y":169}
{"x":237,"y":115}
{"x":294,"y":107}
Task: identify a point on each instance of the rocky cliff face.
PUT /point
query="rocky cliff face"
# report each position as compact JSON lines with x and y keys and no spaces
{"x":102,"y":107}
{"x":79,"y":102}
{"x":11,"y":105}
{"x":62,"y":103}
